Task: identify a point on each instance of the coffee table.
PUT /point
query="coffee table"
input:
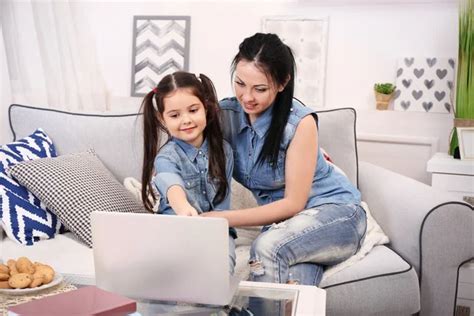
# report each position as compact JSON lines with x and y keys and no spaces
{"x":304,"y":300}
{"x":251,"y":298}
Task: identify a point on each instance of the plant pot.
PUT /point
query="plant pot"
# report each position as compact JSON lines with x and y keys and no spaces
{"x":382,"y":100}
{"x":463,"y":122}
{"x":454,"y":143}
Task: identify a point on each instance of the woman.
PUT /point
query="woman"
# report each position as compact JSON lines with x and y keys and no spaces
{"x":311,"y":212}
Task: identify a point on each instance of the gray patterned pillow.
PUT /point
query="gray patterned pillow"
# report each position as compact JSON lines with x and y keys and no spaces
{"x":73,"y":186}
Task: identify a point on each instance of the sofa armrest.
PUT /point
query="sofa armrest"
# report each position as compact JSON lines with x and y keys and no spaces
{"x":427,"y":227}
{"x":446,"y":242}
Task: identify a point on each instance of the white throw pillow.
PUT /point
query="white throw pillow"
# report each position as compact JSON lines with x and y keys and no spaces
{"x":135,"y":187}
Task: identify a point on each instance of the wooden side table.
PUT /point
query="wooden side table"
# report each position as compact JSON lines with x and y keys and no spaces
{"x":457,"y":177}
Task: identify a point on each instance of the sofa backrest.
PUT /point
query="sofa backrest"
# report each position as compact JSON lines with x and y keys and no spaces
{"x":337,"y":135}
{"x":117,"y":138}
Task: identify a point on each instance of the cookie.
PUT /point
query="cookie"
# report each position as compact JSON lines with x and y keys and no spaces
{"x":46,"y":271}
{"x":12,"y":266}
{"x":4,"y":268}
{"x":24,"y":265}
{"x":20,"y":280}
{"x":4,"y":276}
{"x":4,"y":285}
{"x":37,"y":280}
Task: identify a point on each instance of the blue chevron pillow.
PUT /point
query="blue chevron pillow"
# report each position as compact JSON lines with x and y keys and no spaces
{"x":23,"y":217}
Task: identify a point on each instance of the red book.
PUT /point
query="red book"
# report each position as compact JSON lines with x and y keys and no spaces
{"x":89,"y":300}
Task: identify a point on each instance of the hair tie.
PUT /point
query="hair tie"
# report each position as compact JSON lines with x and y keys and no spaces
{"x":153,"y":101}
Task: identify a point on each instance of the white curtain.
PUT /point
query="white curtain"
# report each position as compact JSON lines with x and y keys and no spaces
{"x":5,"y":97}
{"x":50,"y":56}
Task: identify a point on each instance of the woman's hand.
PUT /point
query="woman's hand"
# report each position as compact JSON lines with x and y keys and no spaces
{"x":222,"y":214}
{"x":213,"y":214}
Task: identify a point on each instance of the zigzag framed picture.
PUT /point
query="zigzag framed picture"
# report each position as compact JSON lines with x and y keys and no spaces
{"x":160,"y":47}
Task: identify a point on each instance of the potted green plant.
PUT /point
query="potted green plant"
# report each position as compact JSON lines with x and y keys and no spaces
{"x":464,"y":109}
{"x":383,"y":94}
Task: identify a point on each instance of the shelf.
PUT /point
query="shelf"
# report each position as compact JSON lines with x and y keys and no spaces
{"x":443,"y":163}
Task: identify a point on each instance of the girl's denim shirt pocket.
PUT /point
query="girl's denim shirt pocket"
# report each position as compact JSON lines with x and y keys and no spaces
{"x":191,"y":182}
{"x":195,"y":192}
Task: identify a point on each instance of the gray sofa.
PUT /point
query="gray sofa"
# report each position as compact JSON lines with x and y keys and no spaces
{"x":430,"y":233}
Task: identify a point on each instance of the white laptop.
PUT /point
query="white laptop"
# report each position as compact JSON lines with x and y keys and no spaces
{"x":163,"y":257}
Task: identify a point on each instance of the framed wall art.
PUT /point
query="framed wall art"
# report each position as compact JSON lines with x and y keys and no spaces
{"x":424,"y":84}
{"x":307,"y":37}
{"x":160,"y":47}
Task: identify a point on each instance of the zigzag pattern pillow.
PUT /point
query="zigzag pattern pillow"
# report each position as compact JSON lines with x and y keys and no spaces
{"x":24,"y":217}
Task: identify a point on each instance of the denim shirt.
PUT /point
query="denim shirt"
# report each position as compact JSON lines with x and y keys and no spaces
{"x":267,"y":183}
{"x":179,"y":163}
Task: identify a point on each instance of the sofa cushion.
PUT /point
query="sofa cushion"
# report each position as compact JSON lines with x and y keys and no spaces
{"x":381,"y":271}
{"x":69,"y":257}
{"x":74,"y":186}
{"x":23,"y":217}
{"x":337,"y":135}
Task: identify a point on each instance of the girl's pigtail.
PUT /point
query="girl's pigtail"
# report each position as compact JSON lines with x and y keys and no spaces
{"x":151,"y":140}
{"x":209,"y":90}
{"x":215,"y":139}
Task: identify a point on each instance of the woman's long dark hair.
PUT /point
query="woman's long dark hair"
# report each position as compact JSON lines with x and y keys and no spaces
{"x":153,"y":108}
{"x":276,"y":60}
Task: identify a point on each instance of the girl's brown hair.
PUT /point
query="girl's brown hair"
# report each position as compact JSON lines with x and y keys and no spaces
{"x":153,"y":106}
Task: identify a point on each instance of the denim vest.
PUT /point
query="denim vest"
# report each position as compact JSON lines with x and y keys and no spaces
{"x":179,"y":163}
{"x":267,"y":183}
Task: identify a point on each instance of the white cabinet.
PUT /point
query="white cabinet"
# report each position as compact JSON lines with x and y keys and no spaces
{"x":452,"y":175}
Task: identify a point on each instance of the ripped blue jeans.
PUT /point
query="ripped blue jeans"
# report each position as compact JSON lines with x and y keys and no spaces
{"x":297,"y":249}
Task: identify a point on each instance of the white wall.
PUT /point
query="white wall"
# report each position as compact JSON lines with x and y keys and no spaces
{"x":365,"y":40}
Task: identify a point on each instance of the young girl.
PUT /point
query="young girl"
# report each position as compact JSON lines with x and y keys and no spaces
{"x":193,"y":169}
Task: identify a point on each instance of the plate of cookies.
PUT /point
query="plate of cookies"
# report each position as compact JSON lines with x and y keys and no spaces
{"x":21,"y":276}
